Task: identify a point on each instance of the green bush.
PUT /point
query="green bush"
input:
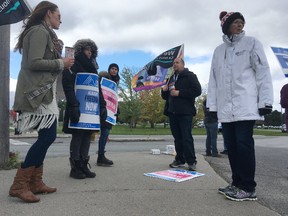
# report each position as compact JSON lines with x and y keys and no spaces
{"x":13,"y":162}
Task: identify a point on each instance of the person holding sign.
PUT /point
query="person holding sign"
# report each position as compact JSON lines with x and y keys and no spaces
{"x":85,"y":63}
{"x":112,"y":106}
{"x":35,"y":97}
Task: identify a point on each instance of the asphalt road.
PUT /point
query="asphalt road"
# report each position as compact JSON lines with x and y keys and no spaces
{"x":271,"y":157}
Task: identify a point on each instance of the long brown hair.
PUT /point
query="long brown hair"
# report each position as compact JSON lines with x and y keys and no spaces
{"x":37,"y":16}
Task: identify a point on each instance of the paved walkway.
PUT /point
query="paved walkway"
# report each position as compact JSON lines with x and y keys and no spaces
{"x":123,"y":190}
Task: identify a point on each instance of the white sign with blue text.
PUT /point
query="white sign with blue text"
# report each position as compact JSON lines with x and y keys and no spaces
{"x":87,"y":93}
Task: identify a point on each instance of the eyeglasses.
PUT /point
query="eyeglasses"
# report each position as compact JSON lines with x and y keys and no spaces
{"x":238,"y":22}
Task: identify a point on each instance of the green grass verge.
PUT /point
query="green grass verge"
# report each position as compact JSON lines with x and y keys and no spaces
{"x":160,"y":130}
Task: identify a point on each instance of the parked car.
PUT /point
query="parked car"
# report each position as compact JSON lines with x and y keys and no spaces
{"x":283,"y":128}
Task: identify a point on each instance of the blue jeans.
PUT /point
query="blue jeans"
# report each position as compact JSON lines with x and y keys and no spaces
{"x":181,"y":129}
{"x":104,"y":134}
{"x":211,"y":139}
{"x":241,"y":153}
{"x":36,"y":154}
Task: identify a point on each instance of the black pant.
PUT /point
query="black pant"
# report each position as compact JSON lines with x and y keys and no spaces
{"x":80,"y":144}
{"x":181,"y":128}
{"x":241,"y":153}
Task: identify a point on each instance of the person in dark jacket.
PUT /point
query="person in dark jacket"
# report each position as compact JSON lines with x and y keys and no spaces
{"x":211,"y":126}
{"x":180,"y":92}
{"x":284,"y":102}
{"x":113,"y":75}
{"x":85,"y":61}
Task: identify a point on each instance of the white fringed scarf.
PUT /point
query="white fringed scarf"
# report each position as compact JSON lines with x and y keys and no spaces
{"x":42,"y":118}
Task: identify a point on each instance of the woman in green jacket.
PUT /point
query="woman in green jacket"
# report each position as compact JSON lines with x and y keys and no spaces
{"x":35,"y":97}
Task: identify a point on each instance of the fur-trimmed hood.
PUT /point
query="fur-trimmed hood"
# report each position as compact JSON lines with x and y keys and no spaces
{"x":83,"y":43}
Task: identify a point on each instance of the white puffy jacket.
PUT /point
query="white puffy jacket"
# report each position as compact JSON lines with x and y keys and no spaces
{"x":240,"y":80}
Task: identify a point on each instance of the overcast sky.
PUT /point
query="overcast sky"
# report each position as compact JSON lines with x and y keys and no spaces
{"x":132,"y":32}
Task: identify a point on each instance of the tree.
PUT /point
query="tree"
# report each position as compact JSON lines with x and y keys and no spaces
{"x":131,"y":107}
{"x":273,"y":119}
{"x":152,"y":106}
{"x":61,"y":106}
{"x":199,"y":108}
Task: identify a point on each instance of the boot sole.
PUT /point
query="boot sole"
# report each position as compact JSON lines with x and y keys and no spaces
{"x":75,"y":177}
{"x":43,"y":192}
{"x":104,"y":165}
{"x":28,"y":201}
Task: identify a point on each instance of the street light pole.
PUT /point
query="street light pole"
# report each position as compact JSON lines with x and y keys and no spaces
{"x":4,"y":92}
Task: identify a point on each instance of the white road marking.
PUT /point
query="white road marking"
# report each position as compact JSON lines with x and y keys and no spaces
{"x":17,"y":142}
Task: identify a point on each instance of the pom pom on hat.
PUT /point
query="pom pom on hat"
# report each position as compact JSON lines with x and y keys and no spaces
{"x":228,"y":18}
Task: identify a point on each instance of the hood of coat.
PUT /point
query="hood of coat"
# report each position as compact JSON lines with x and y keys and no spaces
{"x":80,"y":45}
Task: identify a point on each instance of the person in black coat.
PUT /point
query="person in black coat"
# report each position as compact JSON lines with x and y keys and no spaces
{"x":284,"y":103}
{"x":211,"y":126}
{"x":85,"y":61}
{"x":113,"y":75}
{"x":180,"y":92}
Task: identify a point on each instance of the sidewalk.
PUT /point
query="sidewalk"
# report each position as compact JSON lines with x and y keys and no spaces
{"x":123,"y":190}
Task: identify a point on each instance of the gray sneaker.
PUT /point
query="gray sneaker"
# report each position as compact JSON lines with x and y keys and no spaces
{"x":241,"y":195}
{"x":176,"y":164}
{"x":192,"y":167}
{"x":228,"y":189}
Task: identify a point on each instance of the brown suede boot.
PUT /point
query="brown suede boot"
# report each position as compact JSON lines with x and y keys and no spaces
{"x":37,"y":185}
{"x":20,"y":187}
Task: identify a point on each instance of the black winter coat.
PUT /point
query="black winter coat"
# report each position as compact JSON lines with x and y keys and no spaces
{"x":82,"y":64}
{"x":189,"y":88}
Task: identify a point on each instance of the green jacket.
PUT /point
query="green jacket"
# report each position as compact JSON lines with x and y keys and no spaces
{"x":39,"y":70}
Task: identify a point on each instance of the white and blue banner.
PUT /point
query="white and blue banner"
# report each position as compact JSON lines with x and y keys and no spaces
{"x":110,"y":94}
{"x":87,"y":93}
{"x":282,"y":56}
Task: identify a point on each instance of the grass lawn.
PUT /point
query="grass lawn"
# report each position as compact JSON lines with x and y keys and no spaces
{"x":160,"y":130}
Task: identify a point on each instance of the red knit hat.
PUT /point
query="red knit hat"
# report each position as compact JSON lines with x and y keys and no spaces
{"x":227,"y":19}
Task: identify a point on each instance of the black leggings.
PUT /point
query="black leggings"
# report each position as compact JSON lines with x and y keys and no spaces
{"x":36,"y":154}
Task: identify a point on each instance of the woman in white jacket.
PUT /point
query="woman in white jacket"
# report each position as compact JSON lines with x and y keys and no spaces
{"x":240,"y":91}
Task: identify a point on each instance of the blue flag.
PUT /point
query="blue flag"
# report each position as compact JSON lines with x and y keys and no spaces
{"x":282,"y":56}
{"x":13,"y":11}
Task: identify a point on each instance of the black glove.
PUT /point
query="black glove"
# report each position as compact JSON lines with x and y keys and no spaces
{"x":117,"y":116}
{"x":265,"y":110}
{"x":103,"y":114}
{"x":74,"y":114}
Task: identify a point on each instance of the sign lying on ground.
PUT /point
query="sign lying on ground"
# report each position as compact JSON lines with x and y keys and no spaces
{"x":174,"y":175}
